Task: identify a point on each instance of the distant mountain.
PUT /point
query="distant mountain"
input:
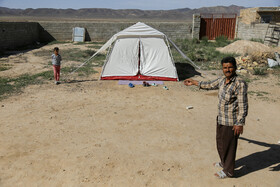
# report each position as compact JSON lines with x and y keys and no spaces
{"x":233,"y":9}
{"x":102,"y":13}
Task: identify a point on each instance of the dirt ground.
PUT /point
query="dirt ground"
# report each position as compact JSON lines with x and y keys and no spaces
{"x":99,"y":133}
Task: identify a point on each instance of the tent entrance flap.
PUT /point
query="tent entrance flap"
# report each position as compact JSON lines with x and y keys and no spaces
{"x":155,"y":59}
{"x":124,"y":57}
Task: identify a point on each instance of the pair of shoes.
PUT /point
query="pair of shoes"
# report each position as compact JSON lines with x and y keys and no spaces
{"x":217,"y":165}
{"x":57,"y":82}
{"x":221,"y":175}
{"x":146,"y":84}
{"x":165,"y":87}
{"x":131,"y":85}
{"x":154,"y":84}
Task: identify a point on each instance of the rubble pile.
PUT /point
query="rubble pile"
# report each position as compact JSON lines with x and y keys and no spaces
{"x":255,"y":60}
{"x":252,"y":54}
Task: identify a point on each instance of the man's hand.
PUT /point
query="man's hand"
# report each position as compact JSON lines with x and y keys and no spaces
{"x":237,"y":130}
{"x":189,"y":82}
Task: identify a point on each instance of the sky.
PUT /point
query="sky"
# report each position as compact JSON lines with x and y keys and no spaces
{"x":134,"y":4}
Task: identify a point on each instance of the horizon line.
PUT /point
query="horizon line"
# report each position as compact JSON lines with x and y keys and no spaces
{"x":129,"y":8}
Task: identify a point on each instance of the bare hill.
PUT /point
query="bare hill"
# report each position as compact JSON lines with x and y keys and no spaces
{"x":101,"y":13}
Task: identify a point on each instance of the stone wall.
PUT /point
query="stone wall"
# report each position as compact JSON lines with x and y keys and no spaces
{"x":18,"y":34}
{"x":196,"y":26}
{"x":249,"y":31}
{"x":254,"y":15}
{"x":105,"y":30}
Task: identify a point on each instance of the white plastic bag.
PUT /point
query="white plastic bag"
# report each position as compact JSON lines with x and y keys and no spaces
{"x":272,"y":63}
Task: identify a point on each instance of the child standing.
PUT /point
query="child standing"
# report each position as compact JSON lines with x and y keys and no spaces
{"x":56,"y":62}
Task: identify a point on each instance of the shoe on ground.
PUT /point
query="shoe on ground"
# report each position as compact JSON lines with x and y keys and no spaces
{"x":221,"y":175}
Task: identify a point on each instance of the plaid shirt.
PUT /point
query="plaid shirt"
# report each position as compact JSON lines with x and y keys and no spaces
{"x":233,"y":101}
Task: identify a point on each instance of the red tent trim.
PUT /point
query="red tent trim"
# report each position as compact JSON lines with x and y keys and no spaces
{"x":139,"y":77}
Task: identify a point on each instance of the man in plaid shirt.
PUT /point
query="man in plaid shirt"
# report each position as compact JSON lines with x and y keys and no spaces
{"x":233,"y":109}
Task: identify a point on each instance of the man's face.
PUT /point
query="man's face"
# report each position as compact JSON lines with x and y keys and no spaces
{"x":228,"y":70}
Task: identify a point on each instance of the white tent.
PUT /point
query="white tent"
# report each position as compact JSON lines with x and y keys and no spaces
{"x":139,"y":52}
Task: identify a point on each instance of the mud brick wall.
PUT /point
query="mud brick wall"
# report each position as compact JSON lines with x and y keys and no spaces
{"x":18,"y":34}
{"x":14,"y":35}
{"x":105,"y":30}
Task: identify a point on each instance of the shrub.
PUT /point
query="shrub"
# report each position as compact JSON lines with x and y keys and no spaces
{"x":222,"y":41}
{"x":259,"y":71}
{"x":203,"y":52}
{"x":204,"y":40}
{"x":257,"y":40}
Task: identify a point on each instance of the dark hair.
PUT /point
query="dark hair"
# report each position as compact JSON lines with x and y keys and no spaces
{"x":229,"y":59}
{"x":56,"y":49}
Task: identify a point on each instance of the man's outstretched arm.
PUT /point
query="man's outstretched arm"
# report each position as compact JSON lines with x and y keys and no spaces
{"x":211,"y":85}
{"x":190,"y":82}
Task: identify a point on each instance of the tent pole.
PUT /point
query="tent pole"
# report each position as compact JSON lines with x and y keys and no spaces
{"x":84,"y":63}
{"x":106,"y":60}
{"x":103,"y":48}
{"x":169,"y":49}
{"x":172,"y":57}
{"x":183,"y":55}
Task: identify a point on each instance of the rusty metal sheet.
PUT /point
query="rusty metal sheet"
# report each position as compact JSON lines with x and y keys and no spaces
{"x":215,"y":25}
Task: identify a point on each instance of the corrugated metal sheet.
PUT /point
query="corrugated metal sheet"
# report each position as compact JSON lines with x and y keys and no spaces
{"x":213,"y":26}
{"x":79,"y":34}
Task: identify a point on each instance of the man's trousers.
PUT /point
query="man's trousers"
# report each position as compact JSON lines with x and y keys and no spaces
{"x":226,"y":146}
